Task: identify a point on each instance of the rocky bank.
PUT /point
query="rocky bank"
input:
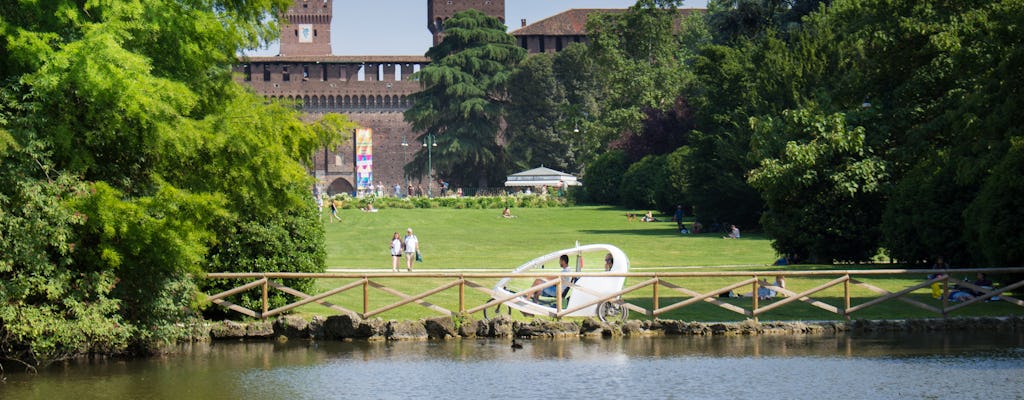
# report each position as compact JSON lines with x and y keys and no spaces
{"x":347,"y":327}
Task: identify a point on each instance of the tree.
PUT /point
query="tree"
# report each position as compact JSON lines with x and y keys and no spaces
{"x":576,"y":73}
{"x":642,"y":65}
{"x":463,"y":98}
{"x":604,"y":177}
{"x":127,"y":155}
{"x":823,"y":194}
{"x":534,"y":133}
{"x":646,"y":185}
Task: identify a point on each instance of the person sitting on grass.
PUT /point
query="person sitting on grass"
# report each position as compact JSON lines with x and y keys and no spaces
{"x":734,"y":233}
{"x":507,"y":213}
{"x":649,"y":217}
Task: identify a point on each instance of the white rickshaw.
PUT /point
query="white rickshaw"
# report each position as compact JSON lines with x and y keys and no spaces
{"x":583,"y":293}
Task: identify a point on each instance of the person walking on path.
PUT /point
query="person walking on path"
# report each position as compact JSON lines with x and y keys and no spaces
{"x":396,"y":251}
{"x":412,"y":246}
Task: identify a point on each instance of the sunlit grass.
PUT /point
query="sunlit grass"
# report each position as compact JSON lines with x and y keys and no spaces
{"x":480,"y":239}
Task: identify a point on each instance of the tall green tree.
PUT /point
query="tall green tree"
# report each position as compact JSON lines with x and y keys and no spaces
{"x":535,"y":134}
{"x":641,"y":64}
{"x":576,"y":73}
{"x":823,"y":194}
{"x":463,"y":99}
{"x":128,"y":154}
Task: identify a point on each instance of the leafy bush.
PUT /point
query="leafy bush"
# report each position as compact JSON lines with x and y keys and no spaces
{"x":471,"y":202}
{"x":646,"y":185}
{"x":604,"y":176}
{"x":289,"y":242}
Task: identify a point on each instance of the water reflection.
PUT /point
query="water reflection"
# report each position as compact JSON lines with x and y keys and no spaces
{"x":882,"y":366}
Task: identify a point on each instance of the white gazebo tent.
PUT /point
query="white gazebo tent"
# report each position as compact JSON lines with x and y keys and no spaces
{"x":542,"y":177}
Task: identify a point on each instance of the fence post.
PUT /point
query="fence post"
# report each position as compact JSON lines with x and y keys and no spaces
{"x":366,"y":295}
{"x":558,"y":299}
{"x":266,"y":297}
{"x":753,"y":295}
{"x":846,"y":297}
{"x":462,"y":294}
{"x":656,"y":280}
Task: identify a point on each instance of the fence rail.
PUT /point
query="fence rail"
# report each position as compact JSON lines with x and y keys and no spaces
{"x":657,"y":282}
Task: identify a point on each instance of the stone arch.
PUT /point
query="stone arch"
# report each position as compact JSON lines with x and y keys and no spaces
{"x":362,"y":101}
{"x":340,"y":185}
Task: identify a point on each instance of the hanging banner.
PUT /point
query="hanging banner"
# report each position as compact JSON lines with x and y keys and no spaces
{"x":364,"y":158}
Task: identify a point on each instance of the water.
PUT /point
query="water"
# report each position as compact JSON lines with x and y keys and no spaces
{"x":928,"y":366}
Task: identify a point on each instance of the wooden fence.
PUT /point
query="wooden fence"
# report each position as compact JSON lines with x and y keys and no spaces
{"x":658,"y":282}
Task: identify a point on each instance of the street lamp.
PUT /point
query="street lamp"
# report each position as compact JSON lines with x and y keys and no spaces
{"x":430,"y":167}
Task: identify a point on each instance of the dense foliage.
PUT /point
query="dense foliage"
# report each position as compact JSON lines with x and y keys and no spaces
{"x":462,"y":100}
{"x":842,"y":128}
{"x":130,"y":162}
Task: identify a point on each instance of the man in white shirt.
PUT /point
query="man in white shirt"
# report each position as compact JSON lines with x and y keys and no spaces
{"x":412,"y":245}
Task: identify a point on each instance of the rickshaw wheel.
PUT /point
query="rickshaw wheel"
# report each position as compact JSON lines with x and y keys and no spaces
{"x":611,"y":310}
{"x":496,"y":311}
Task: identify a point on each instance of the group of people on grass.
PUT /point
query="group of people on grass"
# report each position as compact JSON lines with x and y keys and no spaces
{"x":957,"y":292}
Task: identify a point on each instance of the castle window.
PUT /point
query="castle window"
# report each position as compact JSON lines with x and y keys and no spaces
{"x":266,"y":72}
{"x":285,"y":75}
{"x":248,"y":72}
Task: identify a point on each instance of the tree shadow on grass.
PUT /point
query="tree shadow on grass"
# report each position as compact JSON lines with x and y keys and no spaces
{"x":642,"y":232}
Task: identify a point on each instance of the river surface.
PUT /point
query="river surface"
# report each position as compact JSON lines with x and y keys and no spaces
{"x":915,"y":366}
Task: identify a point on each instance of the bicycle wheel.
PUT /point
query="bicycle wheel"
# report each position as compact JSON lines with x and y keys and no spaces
{"x":611,"y":310}
{"x":496,"y":311}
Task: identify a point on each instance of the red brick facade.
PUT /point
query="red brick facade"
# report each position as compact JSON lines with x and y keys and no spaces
{"x":307,"y":31}
{"x":372,"y":90}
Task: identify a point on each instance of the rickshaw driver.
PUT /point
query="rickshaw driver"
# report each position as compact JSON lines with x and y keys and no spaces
{"x":551,"y":291}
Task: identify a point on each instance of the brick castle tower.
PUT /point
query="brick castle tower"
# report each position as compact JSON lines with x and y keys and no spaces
{"x":440,"y":10}
{"x":307,"y":30}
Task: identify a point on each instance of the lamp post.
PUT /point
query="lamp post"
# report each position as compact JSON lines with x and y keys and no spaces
{"x":430,"y":144}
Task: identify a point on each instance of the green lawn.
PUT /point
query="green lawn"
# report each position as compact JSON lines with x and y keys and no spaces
{"x":481,"y":239}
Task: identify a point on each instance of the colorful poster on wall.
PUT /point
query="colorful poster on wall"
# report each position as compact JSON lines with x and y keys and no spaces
{"x":364,"y":158}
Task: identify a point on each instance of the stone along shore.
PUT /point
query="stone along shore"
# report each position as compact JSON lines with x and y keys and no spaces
{"x":346,"y":327}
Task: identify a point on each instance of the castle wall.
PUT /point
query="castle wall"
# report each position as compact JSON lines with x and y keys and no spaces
{"x":373,"y":91}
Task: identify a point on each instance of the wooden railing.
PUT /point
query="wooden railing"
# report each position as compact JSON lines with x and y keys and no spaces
{"x":658,"y":282}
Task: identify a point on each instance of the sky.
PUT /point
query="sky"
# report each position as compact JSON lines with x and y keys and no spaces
{"x":399,"y":27}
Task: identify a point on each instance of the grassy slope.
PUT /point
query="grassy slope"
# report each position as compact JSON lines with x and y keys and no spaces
{"x":481,"y":239}
{"x":474,"y":238}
